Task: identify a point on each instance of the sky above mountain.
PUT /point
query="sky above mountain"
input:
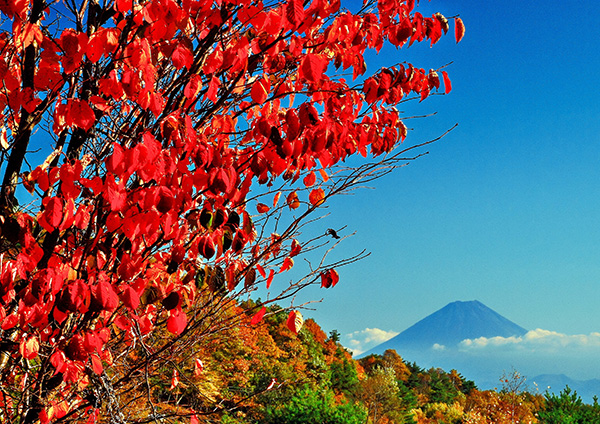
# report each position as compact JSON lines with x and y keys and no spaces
{"x":505,"y":209}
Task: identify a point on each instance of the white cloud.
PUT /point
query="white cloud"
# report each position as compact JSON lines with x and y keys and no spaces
{"x":361,"y":341}
{"x":437,"y":346}
{"x":538,"y":340}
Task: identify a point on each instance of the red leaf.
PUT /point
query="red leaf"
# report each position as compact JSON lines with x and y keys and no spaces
{"x":288,"y":263}
{"x":74,"y":296}
{"x":261,"y":270}
{"x":182,"y":57}
{"x":262,"y":208}
{"x":459,"y":29}
{"x":221,"y":181}
{"x":276,"y":198}
{"x":123,"y":323}
{"x":310,"y":179}
{"x":95,"y":48}
{"x":295,"y":321}
{"x":329,"y":278}
{"x":58,"y":361}
{"x":97,"y":364}
{"x":258,"y":317}
{"x":260,"y":90}
{"x":31,"y":33}
{"x":270,"y":278}
{"x":294,"y":12}
{"x":324,"y":175}
{"x":295,"y":249}
{"x":82,"y":114}
{"x":214,"y":61}
{"x":447,"y":83}
{"x":206,"y":247}
{"x":75,"y":350}
{"x":193,"y":87}
{"x":92,"y":342}
{"x":54,"y":212}
{"x":433,"y":79}
{"x":434,"y":30}
{"x":177,"y":321}
{"x":69,"y":215}
{"x":115,"y":162}
{"x":10,"y":321}
{"x":28,"y":100}
{"x":114,"y":193}
{"x":165,"y":200}
{"x":106,"y":295}
{"x":313,"y":67}
{"x":293,"y":124}
{"x":123,"y":6}
{"x":292,"y":200}
{"x":317,"y":197}
{"x":213,"y":89}
{"x":130,"y":297}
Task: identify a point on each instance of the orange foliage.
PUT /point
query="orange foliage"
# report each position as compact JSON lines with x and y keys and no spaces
{"x":490,"y":407}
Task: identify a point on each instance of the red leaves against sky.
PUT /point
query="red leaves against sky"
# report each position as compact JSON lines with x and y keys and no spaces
{"x":178,"y":120}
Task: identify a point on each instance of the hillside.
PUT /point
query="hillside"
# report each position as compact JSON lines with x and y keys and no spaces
{"x":266,"y":374}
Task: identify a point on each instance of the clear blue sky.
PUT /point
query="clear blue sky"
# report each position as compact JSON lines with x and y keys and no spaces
{"x":505,"y":209}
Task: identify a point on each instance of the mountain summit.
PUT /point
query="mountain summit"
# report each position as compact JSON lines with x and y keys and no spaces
{"x":449,"y":326}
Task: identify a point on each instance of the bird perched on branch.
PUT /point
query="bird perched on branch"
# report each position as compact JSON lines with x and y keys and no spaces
{"x":331,"y":232}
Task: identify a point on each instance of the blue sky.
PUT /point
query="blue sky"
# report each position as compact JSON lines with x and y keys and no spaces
{"x":505,"y":209}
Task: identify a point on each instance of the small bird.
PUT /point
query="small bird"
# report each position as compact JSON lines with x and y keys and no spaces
{"x":332,"y":233}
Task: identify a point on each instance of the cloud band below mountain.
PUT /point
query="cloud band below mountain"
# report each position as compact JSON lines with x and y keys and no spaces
{"x":538,"y":340}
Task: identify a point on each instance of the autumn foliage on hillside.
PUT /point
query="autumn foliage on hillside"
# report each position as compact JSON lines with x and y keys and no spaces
{"x":160,"y":159}
{"x":268,"y":374}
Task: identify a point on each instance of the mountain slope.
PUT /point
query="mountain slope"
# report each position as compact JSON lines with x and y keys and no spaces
{"x":449,"y":326}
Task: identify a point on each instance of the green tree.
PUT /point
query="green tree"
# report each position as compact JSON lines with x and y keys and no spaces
{"x":315,"y":406}
{"x":568,"y":408}
{"x":344,"y":376}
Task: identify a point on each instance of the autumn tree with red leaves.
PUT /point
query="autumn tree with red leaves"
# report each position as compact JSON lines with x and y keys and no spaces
{"x":159,"y":161}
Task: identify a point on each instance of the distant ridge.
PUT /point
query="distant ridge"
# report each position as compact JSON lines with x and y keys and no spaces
{"x":555,"y":383}
{"x":449,"y":326}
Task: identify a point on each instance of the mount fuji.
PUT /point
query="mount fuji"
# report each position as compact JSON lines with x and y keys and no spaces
{"x":449,"y":326}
